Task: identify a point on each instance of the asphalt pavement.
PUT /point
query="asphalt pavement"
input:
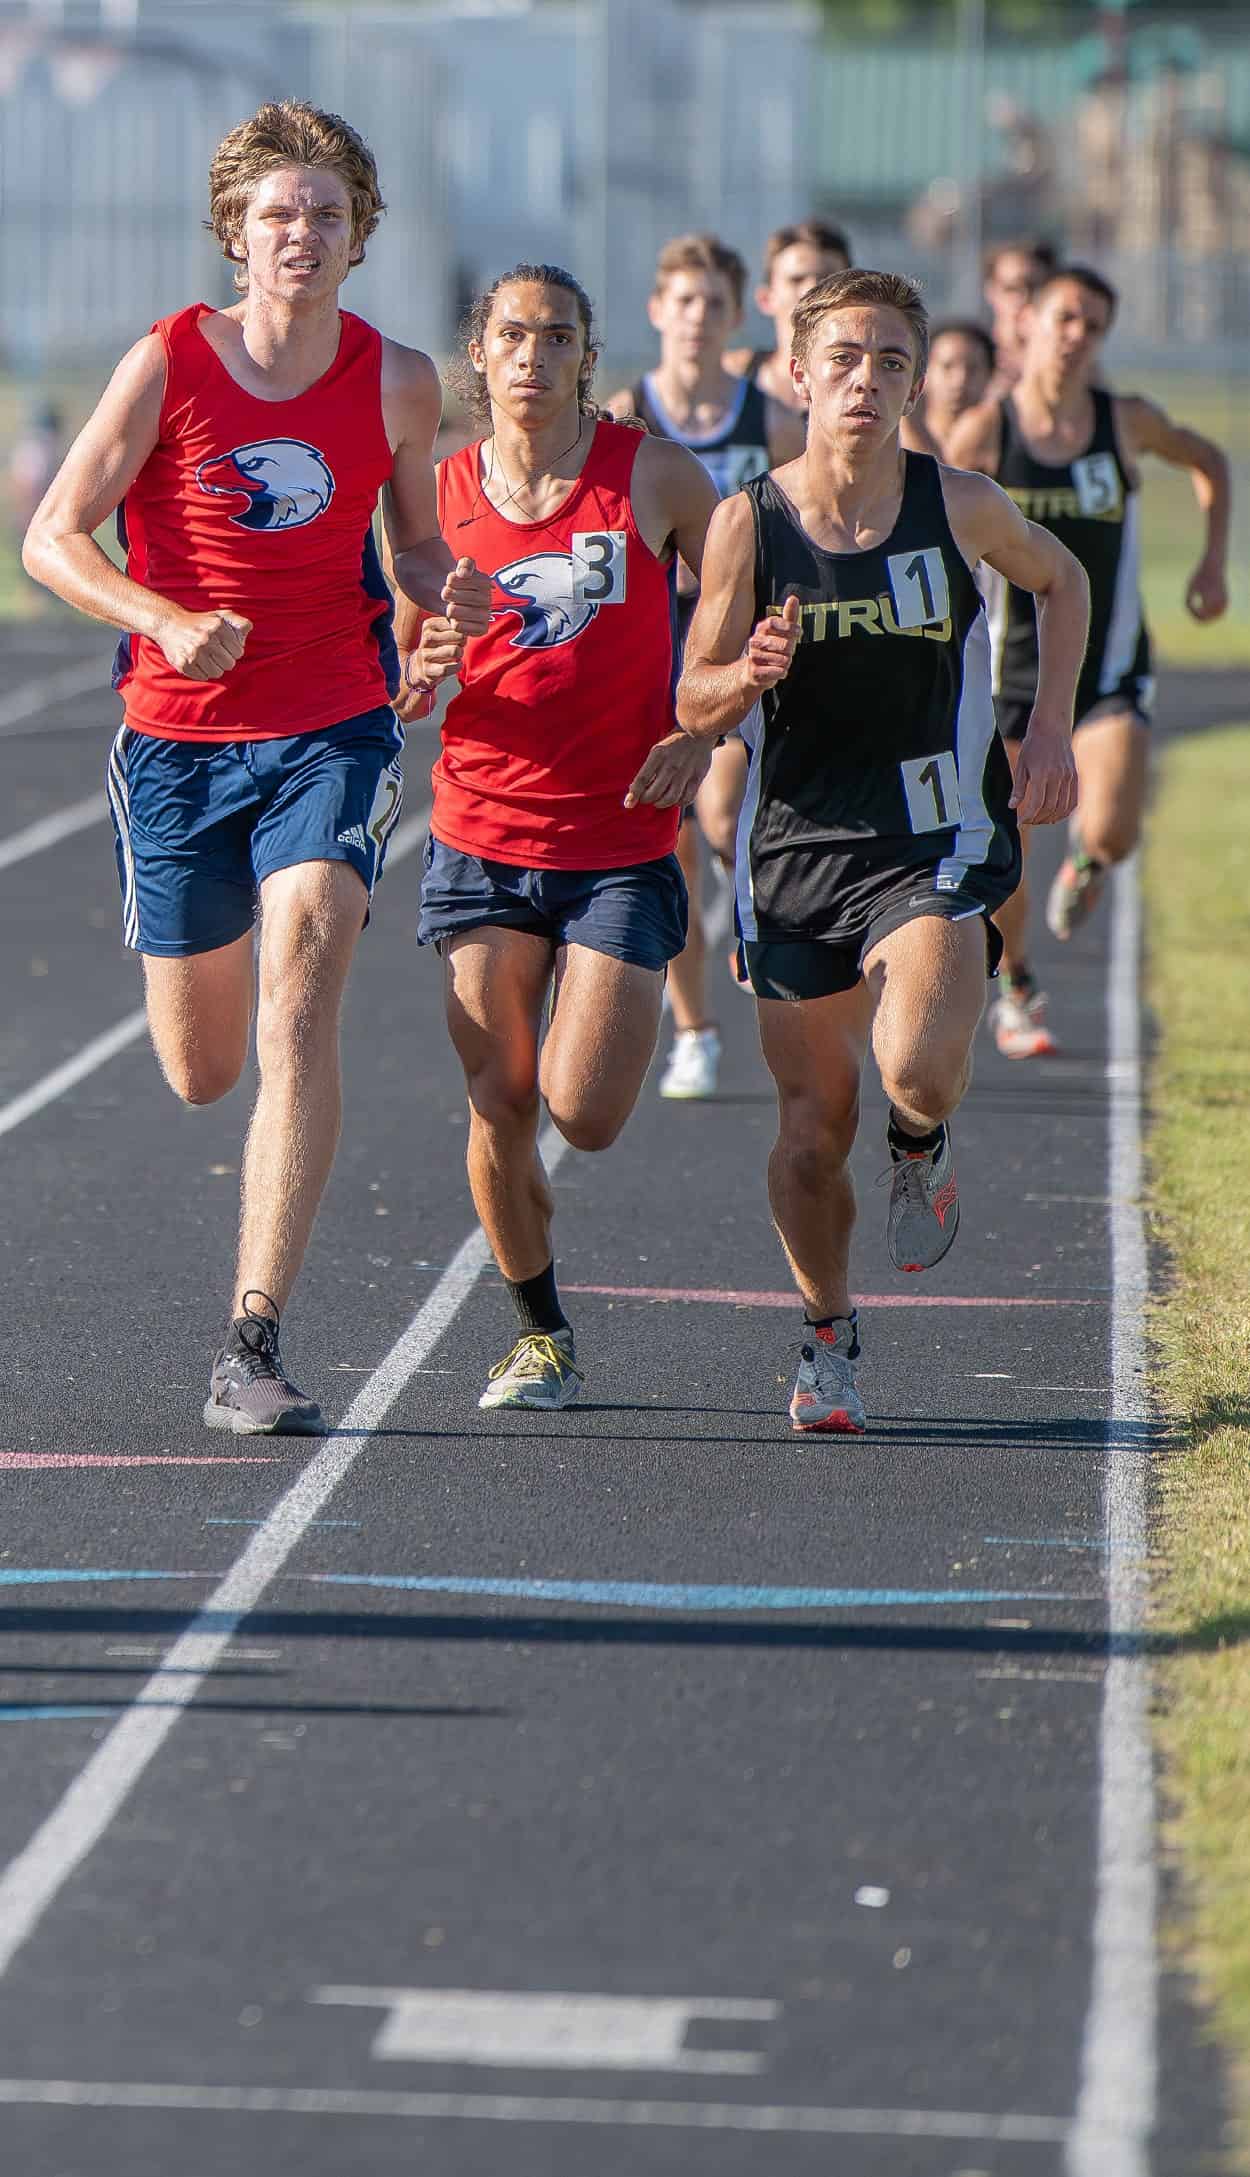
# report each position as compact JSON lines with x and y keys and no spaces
{"x":637,"y":1788}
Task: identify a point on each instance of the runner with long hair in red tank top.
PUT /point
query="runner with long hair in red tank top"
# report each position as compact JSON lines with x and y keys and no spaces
{"x":243,"y":451}
{"x":551,"y":886}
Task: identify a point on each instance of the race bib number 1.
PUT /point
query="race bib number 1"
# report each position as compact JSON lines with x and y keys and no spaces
{"x":931,"y":784}
{"x":919,"y":587}
{"x":599,"y":567}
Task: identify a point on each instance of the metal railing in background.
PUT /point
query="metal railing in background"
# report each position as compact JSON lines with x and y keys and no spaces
{"x":590,"y":130}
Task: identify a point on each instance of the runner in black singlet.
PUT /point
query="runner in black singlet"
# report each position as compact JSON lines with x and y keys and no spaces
{"x":961,"y":365}
{"x":736,"y":431}
{"x":796,"y":259}
{"x":1066,"y":450}
{"x":879,"y":828}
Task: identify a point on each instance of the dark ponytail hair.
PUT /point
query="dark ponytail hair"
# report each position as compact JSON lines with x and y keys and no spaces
{"x":469,"y":384}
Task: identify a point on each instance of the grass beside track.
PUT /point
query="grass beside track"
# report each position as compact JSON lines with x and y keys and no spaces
{"x":1198,"y":921}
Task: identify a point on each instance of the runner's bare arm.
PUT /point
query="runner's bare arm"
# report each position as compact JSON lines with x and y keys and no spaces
{"x":987,"y":525}
{"x":60,"y":548}
{"x":1145,"y":429}
{"x":427,"y":573}
{"x":673,"y":499}
{"x":975,"y":441}
{"x":728,"y":663}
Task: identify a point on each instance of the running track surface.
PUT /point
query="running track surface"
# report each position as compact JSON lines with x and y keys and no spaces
{"x":786,"y":1753}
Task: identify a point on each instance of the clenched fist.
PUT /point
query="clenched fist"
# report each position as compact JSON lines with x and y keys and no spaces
{"x":773,"y":643}
{"x":204,"y":645}
{"x":466,"y":594}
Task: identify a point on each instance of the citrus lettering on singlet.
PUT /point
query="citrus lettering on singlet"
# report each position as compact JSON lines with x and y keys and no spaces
{"x":1052,"y":504}
{"x":839,"y":617}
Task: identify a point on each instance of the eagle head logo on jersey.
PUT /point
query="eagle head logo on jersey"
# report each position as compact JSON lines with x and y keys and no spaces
{"x":540,"y":589}
{"x":284,"y":483}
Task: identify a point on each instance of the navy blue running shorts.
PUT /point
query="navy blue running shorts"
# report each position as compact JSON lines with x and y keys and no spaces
{"x":199,"y":825}
{"x":637,"y":914}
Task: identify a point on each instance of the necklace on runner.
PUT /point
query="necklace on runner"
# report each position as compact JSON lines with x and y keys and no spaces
{"x":498,"y":507}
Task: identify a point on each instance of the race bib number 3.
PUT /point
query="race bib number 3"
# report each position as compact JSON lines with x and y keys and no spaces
{"x":599,"y":567}
{"x":1097,"y":481}
{"x":931,"y":784}
{"x":918,"y":586}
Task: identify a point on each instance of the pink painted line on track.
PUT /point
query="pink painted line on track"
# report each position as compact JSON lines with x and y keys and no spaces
{"x":104,"y":1458}
{"x":714,"y":1297}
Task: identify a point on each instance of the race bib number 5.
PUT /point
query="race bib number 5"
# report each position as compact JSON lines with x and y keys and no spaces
{"x":1097,"y":481}
{"x":599,"y":567}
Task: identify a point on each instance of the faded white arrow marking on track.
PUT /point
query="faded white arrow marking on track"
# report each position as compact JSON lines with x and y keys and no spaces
{"x":547,"y":2032}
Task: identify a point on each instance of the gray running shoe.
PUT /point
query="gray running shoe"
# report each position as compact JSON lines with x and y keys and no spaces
{"x":825,"y":1399}
{"x":924,"y":1206}
{"x":250,"y":1392}
{"x":539,"y":1372}
{"x":1075,"y":893}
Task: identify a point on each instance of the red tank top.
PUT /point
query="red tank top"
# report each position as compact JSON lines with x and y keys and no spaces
{"x":571,"y":684}
{"x":264,"y":508}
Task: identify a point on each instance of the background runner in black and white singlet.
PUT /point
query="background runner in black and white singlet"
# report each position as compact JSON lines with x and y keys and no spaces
{"x":878,"y":787}
{"x":734,"y":451}
{"x":1092,"y":505}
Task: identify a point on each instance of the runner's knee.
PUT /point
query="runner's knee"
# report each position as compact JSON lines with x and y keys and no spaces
{"x":201,"y":1077}
{"x":929,"y":1084}
{"x":593,"y":1129}
{"x":815,"y":1135}
{"x":1111,"y":838}
{"x":502,"y":1102}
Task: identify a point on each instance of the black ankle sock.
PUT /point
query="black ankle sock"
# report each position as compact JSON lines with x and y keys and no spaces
{"x":537,"y":1302}
{"x":910,"y":1145}
{"x":827,"y":1322}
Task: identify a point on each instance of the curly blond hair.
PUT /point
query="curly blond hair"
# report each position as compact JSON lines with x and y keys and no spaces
{"x":286,"y":132}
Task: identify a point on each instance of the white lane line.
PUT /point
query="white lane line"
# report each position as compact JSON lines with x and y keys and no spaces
{"x":33,"y":1880}
{"x":1116,"y":2105}
{"x":32,"y":697}
{"x":407,"y":838}
{"x":688,"y":2116}
{"x":49,"y":830}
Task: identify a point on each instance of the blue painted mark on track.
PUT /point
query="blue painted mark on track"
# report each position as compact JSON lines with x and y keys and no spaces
{"x":47,"y":1575}
{"x":650,"y":1595}
{"x":630,"y":1594}
{"x":51,"y":1714}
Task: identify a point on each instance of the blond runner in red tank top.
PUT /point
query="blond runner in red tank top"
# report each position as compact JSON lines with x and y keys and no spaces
{"x":551,"y":888}
{"x":258,"y":764}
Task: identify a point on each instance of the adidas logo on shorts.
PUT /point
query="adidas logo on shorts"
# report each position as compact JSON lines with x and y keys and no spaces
{"x":354,"y":836}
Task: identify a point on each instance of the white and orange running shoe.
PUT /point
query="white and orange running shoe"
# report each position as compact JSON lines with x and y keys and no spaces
{"x":924,"y":1206}
{"x":1018,"y":1019}
{"x":825,"y":1401}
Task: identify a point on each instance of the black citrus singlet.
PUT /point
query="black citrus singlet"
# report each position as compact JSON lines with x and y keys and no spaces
{"x":1091,"y":504}
{"x":877,"y":753}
